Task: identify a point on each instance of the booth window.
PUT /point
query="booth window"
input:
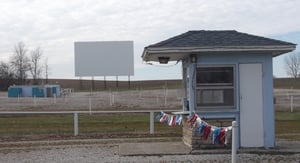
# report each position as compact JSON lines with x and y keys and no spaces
{"x":215,"y":87}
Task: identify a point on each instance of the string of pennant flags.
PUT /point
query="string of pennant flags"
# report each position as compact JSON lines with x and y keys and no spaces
{"x":170,"y":120}
{"x":218,"y":135}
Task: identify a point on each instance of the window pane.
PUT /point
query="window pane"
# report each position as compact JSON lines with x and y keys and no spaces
{"x":214,"y":76}
{"x":215,"y":97}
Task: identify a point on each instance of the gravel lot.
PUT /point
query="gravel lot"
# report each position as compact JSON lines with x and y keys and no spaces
{"x":109,"y":153}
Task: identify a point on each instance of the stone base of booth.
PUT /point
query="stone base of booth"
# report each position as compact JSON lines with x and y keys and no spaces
{"x":192,"y":138}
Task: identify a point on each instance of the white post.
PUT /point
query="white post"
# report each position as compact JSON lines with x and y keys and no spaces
{"x":165,"y":94}
{"x":110,"y":97}
{"x":140,"y":92}
{"x":292,"y":103}
{"x":75,"y":123}
{"x":234,"y":141}
{"x":113,"y":99}
{"x":151,"y":123}
{"x":90,"y":105}
{"x":34,"y":100}
{"x":54,"y":98}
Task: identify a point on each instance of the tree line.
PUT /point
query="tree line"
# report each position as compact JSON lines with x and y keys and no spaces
{"x":23,"y":63}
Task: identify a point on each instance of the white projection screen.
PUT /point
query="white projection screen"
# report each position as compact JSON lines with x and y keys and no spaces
{"x":104,"y":58}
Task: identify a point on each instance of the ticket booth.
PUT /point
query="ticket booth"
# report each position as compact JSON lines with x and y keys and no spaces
{"x":226,"y":74}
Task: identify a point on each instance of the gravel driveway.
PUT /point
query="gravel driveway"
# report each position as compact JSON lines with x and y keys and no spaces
{"x":110,"y":153}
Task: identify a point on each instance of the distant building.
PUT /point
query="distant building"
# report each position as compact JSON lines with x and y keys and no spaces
{"x":34,"y":91}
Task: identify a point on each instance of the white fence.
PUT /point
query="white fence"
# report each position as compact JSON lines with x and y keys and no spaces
{"x":289,"y":101}
{"x":76,"y":113}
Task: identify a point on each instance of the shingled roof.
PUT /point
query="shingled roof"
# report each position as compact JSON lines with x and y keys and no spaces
{"x":225,"y":40}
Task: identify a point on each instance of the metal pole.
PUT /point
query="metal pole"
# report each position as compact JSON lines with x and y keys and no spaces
{"x":54,"y":97}
{"x":34,"y":100}
{"x":151,"y":123}
{"x":292,"y":103}
{"x":129,"y":81}
{"x":90,"y":105}
{"x":75,"y":123}
{"x":165,"y":94}
{"x":234,"y":141}
{"x":110,"y":97}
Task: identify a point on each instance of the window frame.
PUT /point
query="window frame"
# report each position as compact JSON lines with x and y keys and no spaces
{"x":216,"y":86}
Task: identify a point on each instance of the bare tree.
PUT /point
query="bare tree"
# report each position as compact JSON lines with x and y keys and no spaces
{"x":5,"y":71}
{"x":20,"y":62}
{"x":292,"y":62}
{"x":46,"y":70}
{"x":7,"y":76}
{"x":35,"y":65}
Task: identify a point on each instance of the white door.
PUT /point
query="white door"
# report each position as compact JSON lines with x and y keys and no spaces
{"x":251,"y":105}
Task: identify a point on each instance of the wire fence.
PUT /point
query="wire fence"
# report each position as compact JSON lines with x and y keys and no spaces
{"x":95,"y":101}
{"x":287,"y":100}
{"x":284,"y":100}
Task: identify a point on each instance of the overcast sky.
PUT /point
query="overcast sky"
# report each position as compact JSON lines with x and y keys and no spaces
{"x":54,"y":25}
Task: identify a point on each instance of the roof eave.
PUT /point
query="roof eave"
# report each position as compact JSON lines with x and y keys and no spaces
{"x":275,"y":50}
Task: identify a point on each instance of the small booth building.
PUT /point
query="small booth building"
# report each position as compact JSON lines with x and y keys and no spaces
{"x":227,"y":74}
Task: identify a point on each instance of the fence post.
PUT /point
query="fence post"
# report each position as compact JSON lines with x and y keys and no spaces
{"x":34,"y":100}
{"x":90,"y":105}
{"x":292,"y":103}
{"x":234,"y":141}
{"x":54,"y":98}
{"x":152,"y":122}
{"x":110,"y":97}
{"x":165,"y":96}
{"x":75,"y":123}
{"x":19,"y":98}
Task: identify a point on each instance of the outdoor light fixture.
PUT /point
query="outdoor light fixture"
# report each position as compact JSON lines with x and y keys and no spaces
{"x":163,"y":60}
{"x":193,"y":58}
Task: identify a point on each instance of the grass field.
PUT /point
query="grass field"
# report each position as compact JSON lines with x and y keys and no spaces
{"x":125,"y":125}
{"x":287,"y":125}
{"x":113,"y":125}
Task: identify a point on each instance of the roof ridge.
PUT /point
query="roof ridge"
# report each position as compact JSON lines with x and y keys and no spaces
{"x":226,"y":30}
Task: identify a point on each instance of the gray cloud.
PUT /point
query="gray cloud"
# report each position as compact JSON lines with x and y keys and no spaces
{"x":56,"y":24}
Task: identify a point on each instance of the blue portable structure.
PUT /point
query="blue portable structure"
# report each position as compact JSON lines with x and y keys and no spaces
{"x":14,"y":92}
{"x":34,"y":91}
{"x":38,"y":92}
{"x":52,"y":90}
{"x":227,"y":74}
